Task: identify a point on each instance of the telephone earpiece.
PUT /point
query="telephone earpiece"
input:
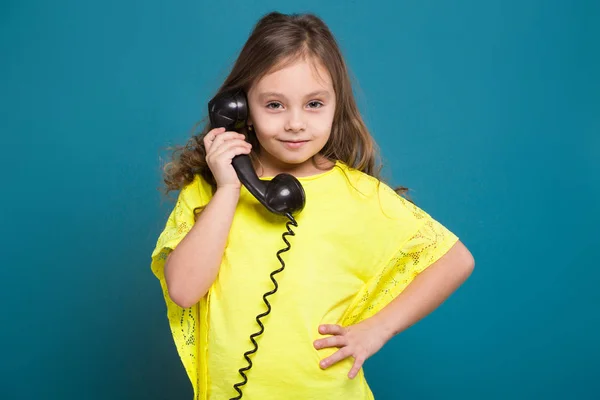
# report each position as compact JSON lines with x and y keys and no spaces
{"x":283,"y":194}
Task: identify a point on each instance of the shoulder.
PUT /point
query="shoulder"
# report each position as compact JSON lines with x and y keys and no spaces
{"x":196,"y":193}
{"x":363,"y":182}
{"x":381,"y":195}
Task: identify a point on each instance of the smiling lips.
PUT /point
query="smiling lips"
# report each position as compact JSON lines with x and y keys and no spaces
{"x":294,"y":144}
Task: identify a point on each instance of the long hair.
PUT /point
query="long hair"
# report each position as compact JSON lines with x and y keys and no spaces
{"x":276,"y":41}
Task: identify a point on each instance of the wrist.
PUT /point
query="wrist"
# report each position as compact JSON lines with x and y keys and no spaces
{"x":382,"y":327}
{"x":228,"y":190}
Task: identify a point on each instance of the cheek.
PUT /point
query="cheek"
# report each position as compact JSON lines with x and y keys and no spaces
{"x":322,"y":125}
{"x":266,"y":124}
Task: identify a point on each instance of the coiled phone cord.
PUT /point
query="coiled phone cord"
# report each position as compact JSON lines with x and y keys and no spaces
{"x":247,"y":354}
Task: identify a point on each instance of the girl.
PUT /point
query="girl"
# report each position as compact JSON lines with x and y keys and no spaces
{"x":365,"y":263}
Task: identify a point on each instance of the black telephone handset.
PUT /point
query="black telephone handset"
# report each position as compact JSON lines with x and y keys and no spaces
{"x":284,"y":193}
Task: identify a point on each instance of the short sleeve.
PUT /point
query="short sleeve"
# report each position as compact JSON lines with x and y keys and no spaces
{"x":179,"y":222}
{"x":183,"y":322}
{"x":422,"y":241}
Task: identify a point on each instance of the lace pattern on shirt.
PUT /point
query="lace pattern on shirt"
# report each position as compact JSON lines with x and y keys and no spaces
{"x":426,"y":246}
{"x":183,"y":322}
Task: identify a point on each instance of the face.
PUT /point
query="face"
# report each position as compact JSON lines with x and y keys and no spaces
{"x":291,"y":111}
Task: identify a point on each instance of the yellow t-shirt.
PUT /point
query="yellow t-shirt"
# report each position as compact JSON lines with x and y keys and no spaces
{"x":358,"y":244}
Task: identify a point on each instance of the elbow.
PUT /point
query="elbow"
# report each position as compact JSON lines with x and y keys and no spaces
{"x":465,"y":261}
{"x":182,"y":302}
{"x":181,"y":297}
{"x":179,"y":291}
{"x":177,"y":297}
{"x":468,"y":263}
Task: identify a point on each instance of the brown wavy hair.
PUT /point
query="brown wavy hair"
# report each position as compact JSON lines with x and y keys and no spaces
{"x":276,"y":41}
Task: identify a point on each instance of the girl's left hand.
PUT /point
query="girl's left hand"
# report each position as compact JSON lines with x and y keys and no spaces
{"x":360,"y":341}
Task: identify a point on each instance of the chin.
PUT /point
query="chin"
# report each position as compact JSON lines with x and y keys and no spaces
{"x":291,"y":158}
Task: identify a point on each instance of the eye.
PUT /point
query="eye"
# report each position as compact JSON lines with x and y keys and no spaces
{"x":315,"y":104}
{"x":274,"y":105}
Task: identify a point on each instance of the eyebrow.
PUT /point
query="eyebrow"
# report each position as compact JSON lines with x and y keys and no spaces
{"x":322,"y":93}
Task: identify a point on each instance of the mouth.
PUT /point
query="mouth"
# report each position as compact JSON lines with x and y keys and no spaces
{"x":294,"y":144}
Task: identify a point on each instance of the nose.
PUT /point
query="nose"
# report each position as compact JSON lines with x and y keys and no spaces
{"x":294,"y":122}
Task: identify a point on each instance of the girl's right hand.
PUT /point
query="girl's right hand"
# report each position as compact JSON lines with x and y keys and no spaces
{"x":221,"y":146}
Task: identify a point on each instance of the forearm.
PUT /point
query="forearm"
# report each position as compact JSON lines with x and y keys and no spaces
{"x":426,"y":292}
{"x":193,"y":266}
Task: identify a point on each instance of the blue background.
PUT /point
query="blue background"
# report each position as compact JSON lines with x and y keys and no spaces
{"x":489,"y":111}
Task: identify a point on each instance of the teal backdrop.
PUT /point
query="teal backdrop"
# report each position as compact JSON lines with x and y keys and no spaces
{"x":489,"y":111}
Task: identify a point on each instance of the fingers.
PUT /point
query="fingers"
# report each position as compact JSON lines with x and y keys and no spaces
{"x":227,"y":150}
{"x":329,"y":329}
{"x":358,"y":363}
{"x":332,"y":341}
{"x":228,"y":138}
{"x":216,"y":137}
{"x":342,"y":354}
{"x":338,"y":356}
{"x":210,"y":137}
{"x":221,"y":147}
{"x":340,"y":340}
{"x":232,"y":149}
{"x":337,"y":340}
